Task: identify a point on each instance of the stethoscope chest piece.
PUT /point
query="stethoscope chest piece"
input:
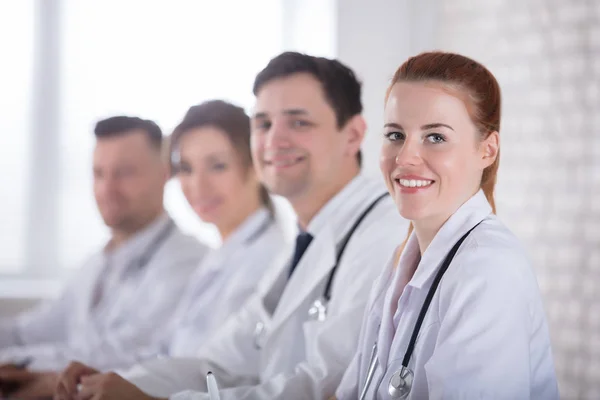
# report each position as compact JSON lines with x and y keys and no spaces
{"x":401,"y":383}
{"x":318,"y":311}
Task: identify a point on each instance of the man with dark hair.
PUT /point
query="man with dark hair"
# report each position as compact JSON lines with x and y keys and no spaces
{"x":298,"y":334}
{"x":125,"y":293}
{"x":341,"y":88}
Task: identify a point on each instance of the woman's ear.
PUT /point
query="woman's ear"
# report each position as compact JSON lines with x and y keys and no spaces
{"x":489,"y":149}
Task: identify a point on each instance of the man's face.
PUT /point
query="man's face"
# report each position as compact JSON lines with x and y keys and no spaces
{"x":297,"y":147}
{"x":129,"y":179}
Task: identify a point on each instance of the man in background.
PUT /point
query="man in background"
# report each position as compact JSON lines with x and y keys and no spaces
{"x":124,"y":294}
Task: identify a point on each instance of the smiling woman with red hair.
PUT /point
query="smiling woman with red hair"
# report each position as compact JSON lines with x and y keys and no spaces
{"x":460,"y":315}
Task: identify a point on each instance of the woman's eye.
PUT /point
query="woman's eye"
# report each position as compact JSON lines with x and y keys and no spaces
{"x":436,"y":138}
{"x":394,"y":136}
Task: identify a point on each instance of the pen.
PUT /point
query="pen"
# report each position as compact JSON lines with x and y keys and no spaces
{"x":213,"y":389}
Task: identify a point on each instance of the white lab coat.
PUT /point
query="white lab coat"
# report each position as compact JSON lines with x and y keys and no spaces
{"x":485,"y":334}
{"x":299,"y":358}
{"x":219,"y":287}
{"x":137,"y":302}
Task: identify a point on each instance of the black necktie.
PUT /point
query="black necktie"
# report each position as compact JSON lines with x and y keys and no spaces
{"x":302,"y":241}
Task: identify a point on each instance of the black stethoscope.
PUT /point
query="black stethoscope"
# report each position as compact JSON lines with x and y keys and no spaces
{"x":318,"y":310}
{"x":158,"y":241}
{"x":401,"y":381}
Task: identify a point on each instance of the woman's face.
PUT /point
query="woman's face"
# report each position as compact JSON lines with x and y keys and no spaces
{"x":214,"y":179}
{"x":432,"y":156}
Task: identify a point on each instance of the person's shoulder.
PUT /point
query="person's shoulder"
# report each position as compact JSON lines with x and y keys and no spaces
{"x":384,"y":221}
{"x":86,"y":270}
{"x":187,"y":244}
{"x":263,"y":254}
{"x":493,"y":253}
{"x":181,"y":250}
{"x":376,"y":239}
{"x":492,"y":271}
{"x":496,"y":242}
{"x":493,"y":232}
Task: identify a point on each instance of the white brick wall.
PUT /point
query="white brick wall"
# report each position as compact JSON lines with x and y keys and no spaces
{"x":546,"y":55}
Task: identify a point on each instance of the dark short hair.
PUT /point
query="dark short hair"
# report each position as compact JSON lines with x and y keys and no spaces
{"x":228,"y":118}
{"x":341,"y":87}
{"x":122,"y":125}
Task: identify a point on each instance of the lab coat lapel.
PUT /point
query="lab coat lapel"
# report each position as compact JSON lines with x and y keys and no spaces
{"x":391,"y":298}
{"x":311,"y":272}
{"x":134,"y":273}
{"x":127,"y":297}
{"x":328,"y":227}
{"x":472,"y":212}
{"x":373,"y":318}
{"x":121,"y":304}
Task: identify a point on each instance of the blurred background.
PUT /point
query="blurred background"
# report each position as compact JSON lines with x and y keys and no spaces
{"x":67,"y":63}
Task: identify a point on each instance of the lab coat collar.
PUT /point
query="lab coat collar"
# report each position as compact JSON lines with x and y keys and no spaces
{"x":245,"y":233}
{"x":335,"y":212}
{"x":249,"y":228}
{"x":138,"y":244}
{"x":328,"y":228}
{"x":381,"y":285}
{"x":115,"y":263}
{"x":472,"y":212}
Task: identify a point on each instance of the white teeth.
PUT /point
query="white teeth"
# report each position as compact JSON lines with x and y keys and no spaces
{"x":414,"y":183}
